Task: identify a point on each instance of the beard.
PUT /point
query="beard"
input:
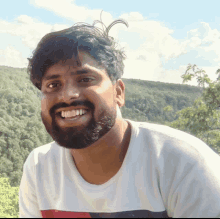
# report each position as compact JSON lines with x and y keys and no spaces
{"x":79,"y":138}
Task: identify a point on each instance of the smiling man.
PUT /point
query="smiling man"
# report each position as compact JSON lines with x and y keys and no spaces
{"x":101,"y":165}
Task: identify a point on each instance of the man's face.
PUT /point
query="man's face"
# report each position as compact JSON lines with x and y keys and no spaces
{"x":79,"y":102}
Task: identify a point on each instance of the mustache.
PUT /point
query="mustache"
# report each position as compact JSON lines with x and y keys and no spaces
{"x":75,"y":103}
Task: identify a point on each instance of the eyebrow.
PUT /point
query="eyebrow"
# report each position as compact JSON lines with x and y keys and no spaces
{"x":78,"y":72}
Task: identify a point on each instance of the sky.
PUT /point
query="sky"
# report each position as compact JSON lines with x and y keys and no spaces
{"x":163,"y":37}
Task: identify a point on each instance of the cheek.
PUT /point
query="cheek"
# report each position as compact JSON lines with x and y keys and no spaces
{"x":102,"y":98}
{"x":45,"y":107}
{"x":106,"y":92}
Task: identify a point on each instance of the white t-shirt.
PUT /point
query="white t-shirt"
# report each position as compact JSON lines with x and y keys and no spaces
{"x":165,"y":173}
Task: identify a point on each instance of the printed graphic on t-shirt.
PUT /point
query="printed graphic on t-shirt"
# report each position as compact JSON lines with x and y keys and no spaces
{"x":123,"y":214}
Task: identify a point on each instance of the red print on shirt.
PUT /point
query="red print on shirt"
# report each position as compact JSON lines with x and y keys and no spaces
{"x":64,"y":214}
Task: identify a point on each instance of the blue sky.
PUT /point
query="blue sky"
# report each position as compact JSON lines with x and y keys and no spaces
{"x":162,"y":38}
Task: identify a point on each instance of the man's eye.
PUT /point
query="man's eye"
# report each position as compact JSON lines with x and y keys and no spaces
{"x":86,"y":80}
{"x":53,"y":85}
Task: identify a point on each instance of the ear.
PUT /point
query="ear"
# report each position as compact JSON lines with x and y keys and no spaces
{"x":120,"y":92}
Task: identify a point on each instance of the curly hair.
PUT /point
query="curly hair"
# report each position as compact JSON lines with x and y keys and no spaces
{"x":65,"y":44}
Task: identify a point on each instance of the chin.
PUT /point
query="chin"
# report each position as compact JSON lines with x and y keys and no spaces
{"x":73,"y":138}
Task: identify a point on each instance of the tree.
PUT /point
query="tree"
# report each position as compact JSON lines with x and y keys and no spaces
{"x":203,"y":118}
{"x":9,"y":205}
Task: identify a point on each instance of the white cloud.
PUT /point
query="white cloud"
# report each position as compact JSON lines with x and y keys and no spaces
{"x":160,"y":44}
{"x":12,"y":57}
{"x":69,"y":10}
{"x":205,"y":38}
{"x":141,"y":69}
{"x":212,"y":39}
{"x":133,"y":16}
{"x":145,"y":62}
{"x":25,"y":19}
{"x":29,"y":29}
{"x":157,"y":37}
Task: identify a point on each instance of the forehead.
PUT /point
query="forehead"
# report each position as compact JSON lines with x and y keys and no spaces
{"x":85,"y":60}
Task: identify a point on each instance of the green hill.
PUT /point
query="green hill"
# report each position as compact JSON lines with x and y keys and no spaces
{"x":21,"y":129}
{"x":145,"y":100}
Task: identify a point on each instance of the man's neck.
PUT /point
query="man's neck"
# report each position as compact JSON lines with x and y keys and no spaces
{"x":102,"y":160}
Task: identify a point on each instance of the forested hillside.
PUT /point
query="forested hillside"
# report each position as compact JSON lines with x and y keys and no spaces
{"x":146,"y":100}
{"x":21,"y":129}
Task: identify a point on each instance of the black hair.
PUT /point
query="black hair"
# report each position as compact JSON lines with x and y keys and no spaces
{"x":65,"y":44}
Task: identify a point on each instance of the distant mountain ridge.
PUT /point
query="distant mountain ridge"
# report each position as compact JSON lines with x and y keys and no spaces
{"x":150,"y":98}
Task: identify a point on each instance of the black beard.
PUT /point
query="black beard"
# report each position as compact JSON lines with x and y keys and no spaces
{"x":72,"y":138}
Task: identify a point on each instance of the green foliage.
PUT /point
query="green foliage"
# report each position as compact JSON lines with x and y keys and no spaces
{"x":21,"y":129}
{"x":168,"y":108}
{"x":202,"y":119}
{"x":200,"y":75}
{"x":134,"y":114}
{"x":9,"y":206}
{"x":152,"y":98}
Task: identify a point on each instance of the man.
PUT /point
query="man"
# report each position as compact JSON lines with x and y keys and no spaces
{"x":101,"y":165}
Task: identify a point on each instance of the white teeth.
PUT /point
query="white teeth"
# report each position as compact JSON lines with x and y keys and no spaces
{"x":80,"y":111}
{"x":72,"y":113}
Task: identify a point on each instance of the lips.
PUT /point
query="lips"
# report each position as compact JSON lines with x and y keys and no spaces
{"x":74,"y":117}
{"x":72,"y":113}
{"x":66,"y":109}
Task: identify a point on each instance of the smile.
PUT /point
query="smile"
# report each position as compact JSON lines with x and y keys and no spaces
{"x":72,"y":113}
{"x":69,"y":117}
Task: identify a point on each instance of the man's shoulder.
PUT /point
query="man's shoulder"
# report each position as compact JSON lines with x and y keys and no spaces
{"x":172,"y":149}
{"x":165,"y":138}
{"x":44,"y":152}
{"x":51,"y":147}
{"x":163,"y":130}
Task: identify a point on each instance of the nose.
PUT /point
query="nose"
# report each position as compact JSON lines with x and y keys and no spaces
{"x":69,"y":92}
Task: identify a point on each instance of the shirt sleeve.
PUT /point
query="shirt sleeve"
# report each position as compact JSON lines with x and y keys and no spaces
{"x":198,"y":193}
{"x":28,"y":205}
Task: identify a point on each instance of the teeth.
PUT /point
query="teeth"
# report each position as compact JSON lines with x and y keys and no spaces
{"x":77,"y":112}
{"x":72,"y":113}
